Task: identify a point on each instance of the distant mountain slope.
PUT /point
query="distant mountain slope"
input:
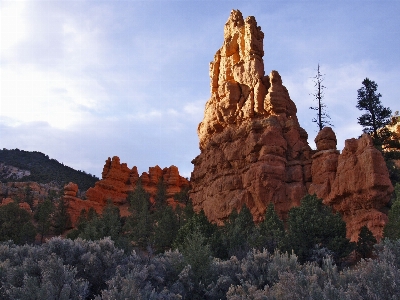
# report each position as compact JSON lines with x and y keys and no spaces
{"x":42,"y":169}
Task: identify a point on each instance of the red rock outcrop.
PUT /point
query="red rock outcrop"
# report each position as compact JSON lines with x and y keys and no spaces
{"x":76,"y":205}
{"x":23,"y":205}
{"x":116,"y":183}
{"x":118,"y":180}
{"x":254,"y":152}
{"x":324,"y":163}
{"x":361,"y":187}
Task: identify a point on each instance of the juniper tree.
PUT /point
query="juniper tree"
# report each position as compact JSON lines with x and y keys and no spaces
{"x":322,"y":118}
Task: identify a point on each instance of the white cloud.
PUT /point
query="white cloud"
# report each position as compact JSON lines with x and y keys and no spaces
{"x":195,"y":109}
{"x":29,"y":94}
{"x":13,"y":26}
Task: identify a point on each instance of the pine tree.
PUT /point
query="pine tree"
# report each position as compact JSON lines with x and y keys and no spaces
{"x":365,"y":243}
{"x":322,"y":118}
{"x":139,"y":224}
{"x":392,"y":228}
{"x":376,"y":117}
{"x":16,"y":224}
{"x":314,"y":224}
{"x":44,"y":217}
{"x":197,"y":254}
{"x":239,"y":234}
{"x":28,"y":197}
{"x":198,"y":222}
{"x":165,"y":229}
{"x":272,"y":231}
{"x":61,"y":217}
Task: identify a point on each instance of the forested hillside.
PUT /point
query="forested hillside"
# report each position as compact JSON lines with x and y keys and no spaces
{"x":43,"y":169}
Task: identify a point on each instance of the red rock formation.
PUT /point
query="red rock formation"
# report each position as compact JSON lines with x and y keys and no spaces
{"x":118,"y":180}
{"x":116,"y":183}
{"x":361,"y":187}
{"x":76,"y":205}
{"x":324,"y":163}
{"x":254,"y":152}
{"x":23,"y":205}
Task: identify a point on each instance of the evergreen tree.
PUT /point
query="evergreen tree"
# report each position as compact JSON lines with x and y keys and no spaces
{"x":392,"y":228}
{"x":44,"y":217}
{"x":16,"y":224}
{"x":28,"y":197}
{"x":165,"y":229}
{"x":184,"y":208}
{"x":314,"y":224}
{"x":239,"y":234}
{"x":272,"y":231}
{"x":139,"y":224}
{"x":198,"y":222}
{"x":365,"y":243}
{"x":322,"y":118}
{"x":160,"y":199}
{"x":197,"y":254}
{"x":108,"y":224}
{"x":61,"y":217}
{"x":376,"y":116}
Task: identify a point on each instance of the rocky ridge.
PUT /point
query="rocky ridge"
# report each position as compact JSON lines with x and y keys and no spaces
{"x":254,"y":152}
{"x":118,"y":180}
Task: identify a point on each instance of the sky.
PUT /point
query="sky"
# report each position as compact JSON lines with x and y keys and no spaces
{"x":82,"y":81}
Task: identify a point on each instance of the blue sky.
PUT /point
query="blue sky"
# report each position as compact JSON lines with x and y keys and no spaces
{"x":85,"y":80}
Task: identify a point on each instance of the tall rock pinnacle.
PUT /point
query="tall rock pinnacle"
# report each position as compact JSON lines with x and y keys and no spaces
{"x":254,"y":152}
{"x":239,"y":88}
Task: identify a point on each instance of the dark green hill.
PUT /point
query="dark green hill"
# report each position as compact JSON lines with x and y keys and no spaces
{"x":44,"y":169}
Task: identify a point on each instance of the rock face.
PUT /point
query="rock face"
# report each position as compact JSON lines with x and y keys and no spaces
{"x":116,"y":183}
{"x":76,"y":205}
{"x":361,"y":187}
{"x":254,"y":152}
{"x":118,"y":180}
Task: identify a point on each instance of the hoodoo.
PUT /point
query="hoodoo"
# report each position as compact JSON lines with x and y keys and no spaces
{"x":117,"y":182}
{"x":254,"y":152}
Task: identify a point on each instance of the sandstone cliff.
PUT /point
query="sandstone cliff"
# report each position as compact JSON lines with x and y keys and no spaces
{"x":254,"y":152}
{"x":116,"y":183}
